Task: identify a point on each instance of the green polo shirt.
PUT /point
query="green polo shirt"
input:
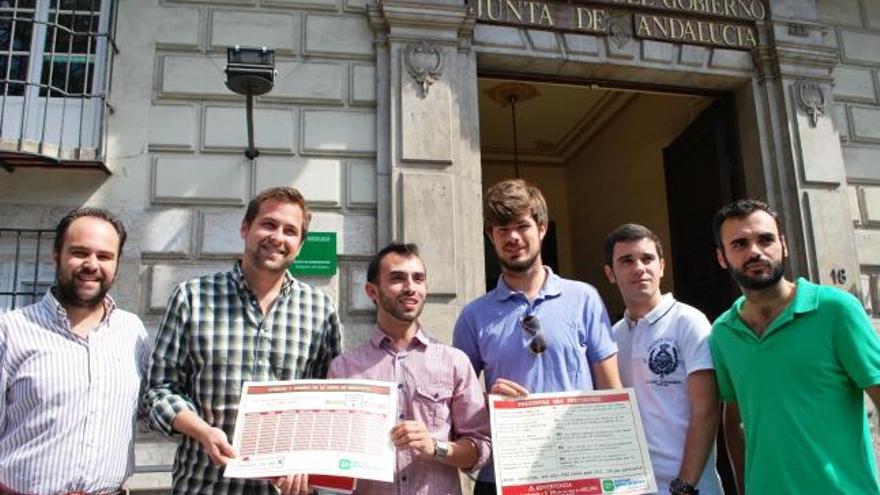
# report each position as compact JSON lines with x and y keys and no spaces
{"x":799,"y":391}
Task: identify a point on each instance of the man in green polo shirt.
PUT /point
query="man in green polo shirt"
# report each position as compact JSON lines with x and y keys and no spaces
{"x":792,"y":360}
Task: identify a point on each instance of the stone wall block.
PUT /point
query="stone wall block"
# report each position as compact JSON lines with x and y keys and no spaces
{"x":275,"y":31}
{"x":310,"y":82}
{"x":693,"y":55}
{"x":220,"y":232}
{"x":434,"y":229}
{"x":193,"y":76}
{"x":851,"y":83}
{"x":872,"y":14}
{"x":317,"y":178}
{"x":871,"y":198}
{"x":581,"y":44}
{"x":819,"y":149}
{"x":305,"y":4}
{"x":225,"y":128}
{"x":363,"y":84}
{"x":500,"y":36}
{"x":658,"y":51}
{"x":868,"y":245}
{"x":841,"y":121}
{"x":210,"y":179}
{"x":839,"y":12}
{"x":166,"y":232}
{"x":173,"y":127}
{"x":543,"y":41}
{"x":861,"y":162}
{"x":834,"y":244}
{"x":442,"y":316}
{"x":730,"y":59}
{"x":355,"y":234}
{"x":358,"y":302}
{"x":180,"y":28}
{"x":164,"y":277}
{"x":361,"y":184}
{"x":855,"y":208}
{"x":338,"y":132}
{"x":338,"y":35}
{"x":865,"y":123}
{"x":860,"y":46}
{"x":426,"y":120}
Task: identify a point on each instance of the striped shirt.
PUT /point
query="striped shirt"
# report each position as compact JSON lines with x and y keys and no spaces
{"x":214,"y":338}
{"x":68,"y":405}
{"x":437,"y":386}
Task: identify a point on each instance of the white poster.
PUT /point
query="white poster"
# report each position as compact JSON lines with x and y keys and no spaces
{"x":571,"y":443}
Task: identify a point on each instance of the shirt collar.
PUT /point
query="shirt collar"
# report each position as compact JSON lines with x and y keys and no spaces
{"x":380,"y":338}
{"x":659,"y":311}
{"x":241,"y":282}
{"x":806,"y":299}
{"x":53,"y":306}
{"x":552,"y":287}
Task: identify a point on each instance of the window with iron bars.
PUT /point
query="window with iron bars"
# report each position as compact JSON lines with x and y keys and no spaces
{"x":26,"y":269}
{"x":55,"y":58}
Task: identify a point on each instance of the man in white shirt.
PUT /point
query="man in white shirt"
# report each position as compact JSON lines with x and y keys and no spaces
{"x":664,"y":355}
{"x":71,"y":369}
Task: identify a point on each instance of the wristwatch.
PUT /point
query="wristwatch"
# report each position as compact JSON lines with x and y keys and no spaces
{"x":441,"y":449}
{"x":679,"y":486}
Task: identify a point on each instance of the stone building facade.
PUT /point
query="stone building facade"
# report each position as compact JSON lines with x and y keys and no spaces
{"x":375,"y":116}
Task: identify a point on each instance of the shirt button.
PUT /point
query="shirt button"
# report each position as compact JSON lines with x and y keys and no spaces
{"x":401,"y":416}
{"x":403,"y":478}
{"x":399,"y":385}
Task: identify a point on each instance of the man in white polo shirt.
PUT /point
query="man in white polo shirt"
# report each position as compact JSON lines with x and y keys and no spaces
{"x":664,"y":355}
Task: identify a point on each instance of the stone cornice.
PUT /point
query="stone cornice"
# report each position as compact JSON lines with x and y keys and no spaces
{"x":430,"y":20}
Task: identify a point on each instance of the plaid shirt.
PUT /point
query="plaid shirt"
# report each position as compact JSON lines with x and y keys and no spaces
{"x":214,"y":338}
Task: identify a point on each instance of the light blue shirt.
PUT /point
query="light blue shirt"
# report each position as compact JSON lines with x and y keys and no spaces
{"x":575,"y":325}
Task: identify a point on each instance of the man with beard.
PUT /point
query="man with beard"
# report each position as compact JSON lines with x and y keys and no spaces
{"x":792,"y":361}
{"x":535,"y":331}
{"x":444,"y":425}
{"x":71,"y":370}
{"x":665,"y":357}
{"x":253,"y":323}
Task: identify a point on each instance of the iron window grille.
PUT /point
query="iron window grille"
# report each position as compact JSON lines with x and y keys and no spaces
{"x":25,"y":270}
{"x":55,"y":60}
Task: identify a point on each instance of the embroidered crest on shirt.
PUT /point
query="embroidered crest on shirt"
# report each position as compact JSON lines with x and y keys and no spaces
{"x":663,"y":360}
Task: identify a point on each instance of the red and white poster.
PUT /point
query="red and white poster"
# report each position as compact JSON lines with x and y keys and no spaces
{"x":570,"y":443}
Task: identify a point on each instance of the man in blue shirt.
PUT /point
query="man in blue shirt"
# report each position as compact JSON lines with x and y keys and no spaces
{"x":536,"y":331}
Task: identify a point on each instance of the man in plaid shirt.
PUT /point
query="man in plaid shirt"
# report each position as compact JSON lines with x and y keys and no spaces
{"x":255,"y":322}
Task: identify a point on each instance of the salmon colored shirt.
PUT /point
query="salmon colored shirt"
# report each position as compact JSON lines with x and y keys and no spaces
{"x":437,"y":386}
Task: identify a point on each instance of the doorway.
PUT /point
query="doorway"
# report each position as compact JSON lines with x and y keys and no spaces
{"x":606,"y":155}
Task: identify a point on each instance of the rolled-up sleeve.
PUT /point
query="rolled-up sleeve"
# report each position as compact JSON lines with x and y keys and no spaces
{"x":470,"y":416}
{"x":170,"y":384}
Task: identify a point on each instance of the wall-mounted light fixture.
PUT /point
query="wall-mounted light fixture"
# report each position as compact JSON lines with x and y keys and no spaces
{"x":250,"y":72}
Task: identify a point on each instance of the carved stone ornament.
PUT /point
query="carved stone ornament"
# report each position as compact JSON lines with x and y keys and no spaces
{"x":425,"y":64}
{"x":810,"y":99}
{"x":620,"y":30}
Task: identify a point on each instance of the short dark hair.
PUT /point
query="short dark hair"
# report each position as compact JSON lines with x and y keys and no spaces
{"x":406,"y":250}
{"x":283,"y":194}
{"x":64,"y":225}
{"x":630,"y":232}
{"x":507,"y":200}
{"x":741,"y":208}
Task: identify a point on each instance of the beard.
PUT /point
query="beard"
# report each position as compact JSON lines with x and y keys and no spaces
{"x":519,"y":266}
{"x":69,"y":294}
{"x":390,"y":306}
{"x":759,"y":282}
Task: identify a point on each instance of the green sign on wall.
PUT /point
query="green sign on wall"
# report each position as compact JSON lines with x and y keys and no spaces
{"x":317,"y":258}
